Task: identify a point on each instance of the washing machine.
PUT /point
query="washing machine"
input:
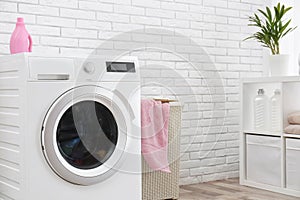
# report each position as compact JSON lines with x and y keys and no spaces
{"x":69,"y":128}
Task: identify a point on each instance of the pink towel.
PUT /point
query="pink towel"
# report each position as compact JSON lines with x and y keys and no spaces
{"x":155,"y":121}
{"x":294,"y":118}
{"x":292,"y":129}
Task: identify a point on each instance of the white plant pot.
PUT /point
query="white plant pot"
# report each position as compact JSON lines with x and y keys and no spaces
{"x":279,"y":65}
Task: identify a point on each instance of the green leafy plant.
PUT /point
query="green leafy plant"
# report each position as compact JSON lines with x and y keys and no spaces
{"x":272,"y":28}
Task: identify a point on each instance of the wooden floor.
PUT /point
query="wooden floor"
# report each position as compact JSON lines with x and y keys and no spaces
{"x":227,"y":190}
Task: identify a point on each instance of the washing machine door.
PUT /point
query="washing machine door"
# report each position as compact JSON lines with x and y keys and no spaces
{"x":84,"y":135}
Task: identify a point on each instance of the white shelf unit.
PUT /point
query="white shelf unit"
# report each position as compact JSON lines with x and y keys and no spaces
{"x":270,"y":160}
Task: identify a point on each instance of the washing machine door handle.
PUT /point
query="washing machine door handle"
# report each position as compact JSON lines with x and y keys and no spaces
{"x":126,"y":104}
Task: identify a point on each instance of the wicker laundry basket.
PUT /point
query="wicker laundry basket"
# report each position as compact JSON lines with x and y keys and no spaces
{"x":159,"y":185}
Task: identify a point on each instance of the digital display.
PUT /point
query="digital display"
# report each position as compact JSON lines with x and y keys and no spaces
{"x":120,"y":67}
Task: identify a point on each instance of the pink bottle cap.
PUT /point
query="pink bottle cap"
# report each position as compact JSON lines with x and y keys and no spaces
{"x":20,"y":20}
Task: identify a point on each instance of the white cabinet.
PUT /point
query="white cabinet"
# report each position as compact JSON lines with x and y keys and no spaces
{"x":270,"y":160}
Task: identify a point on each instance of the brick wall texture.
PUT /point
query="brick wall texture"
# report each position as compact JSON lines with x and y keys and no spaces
{"x":191,"y":50}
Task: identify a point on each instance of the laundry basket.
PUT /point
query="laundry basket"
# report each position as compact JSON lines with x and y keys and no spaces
{"x":159,"y":185}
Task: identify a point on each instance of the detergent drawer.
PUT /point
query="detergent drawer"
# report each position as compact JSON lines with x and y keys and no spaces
{"x":51,"y":68}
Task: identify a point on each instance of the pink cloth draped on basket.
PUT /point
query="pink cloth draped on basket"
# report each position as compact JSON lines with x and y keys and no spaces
{"x":155,"y":120}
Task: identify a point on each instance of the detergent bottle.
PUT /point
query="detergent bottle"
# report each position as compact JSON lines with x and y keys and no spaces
{"x":20,"y":40}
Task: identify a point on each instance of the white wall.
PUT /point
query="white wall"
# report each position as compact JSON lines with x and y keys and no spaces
{"x":207,"y":33}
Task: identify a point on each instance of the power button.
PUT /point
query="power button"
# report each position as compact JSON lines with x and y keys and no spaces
{"x":89,"y":67}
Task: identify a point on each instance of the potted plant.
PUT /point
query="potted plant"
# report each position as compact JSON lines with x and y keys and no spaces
{"x":273,"y":27}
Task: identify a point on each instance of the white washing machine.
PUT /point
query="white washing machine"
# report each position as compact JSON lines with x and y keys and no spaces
{"x":69,"y":128}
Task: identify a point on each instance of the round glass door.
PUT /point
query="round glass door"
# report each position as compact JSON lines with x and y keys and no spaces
{"x":84,"y":135}
{"x":87,"y":134}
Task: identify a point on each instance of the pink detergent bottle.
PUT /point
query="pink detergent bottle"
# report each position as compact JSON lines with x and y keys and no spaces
{"x":20,"y":40}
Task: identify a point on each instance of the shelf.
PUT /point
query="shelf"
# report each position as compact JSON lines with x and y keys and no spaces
{"x":291,"y":135}
{"x":279,"y":79}
{"x":271,"y":188}
{"x":269,"y":158}
{"x":270,"y":133}
{"x":248,"y":96}
{"x":267,"y":133}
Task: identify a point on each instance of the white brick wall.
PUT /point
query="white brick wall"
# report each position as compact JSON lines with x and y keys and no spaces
{"x":207,"y":33}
